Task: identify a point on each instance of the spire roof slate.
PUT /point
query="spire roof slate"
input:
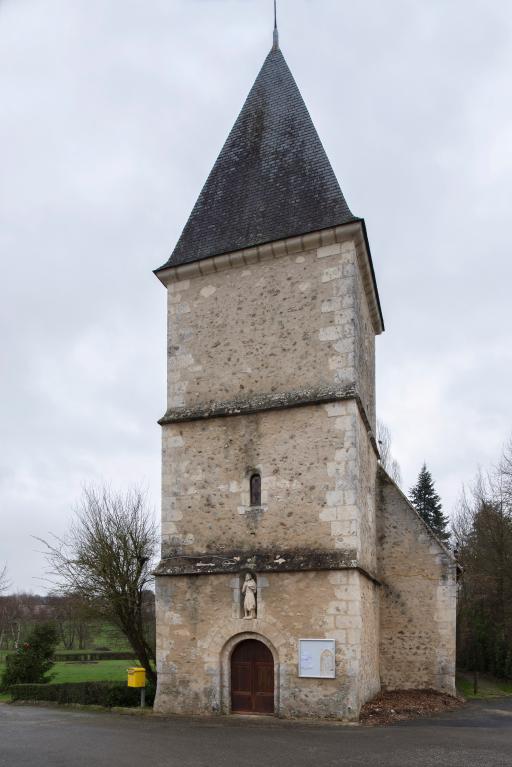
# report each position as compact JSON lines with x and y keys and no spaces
{"x":272,"y":179}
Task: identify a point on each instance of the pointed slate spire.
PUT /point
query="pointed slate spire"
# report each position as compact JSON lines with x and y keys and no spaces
{"x":272,"y":179}
{"x":276,"y":31}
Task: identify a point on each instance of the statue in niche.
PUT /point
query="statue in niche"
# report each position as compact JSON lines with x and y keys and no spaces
{"x":249,"y":593}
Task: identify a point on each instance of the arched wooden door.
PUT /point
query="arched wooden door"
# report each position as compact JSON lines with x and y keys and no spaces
{"x":252,"y":678}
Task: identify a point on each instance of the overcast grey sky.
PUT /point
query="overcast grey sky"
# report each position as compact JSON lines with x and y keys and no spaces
{"x":112,"y":114}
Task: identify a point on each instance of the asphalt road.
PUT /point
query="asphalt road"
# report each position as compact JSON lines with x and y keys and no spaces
{"x":478,"y":735}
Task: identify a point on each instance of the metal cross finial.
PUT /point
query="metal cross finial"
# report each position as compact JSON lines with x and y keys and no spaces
{"x":276,"y":33}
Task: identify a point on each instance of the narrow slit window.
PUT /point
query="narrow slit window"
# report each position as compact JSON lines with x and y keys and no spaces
{"x":255,"y":483}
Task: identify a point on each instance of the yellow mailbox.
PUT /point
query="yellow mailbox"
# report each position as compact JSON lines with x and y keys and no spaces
{"x":136,"y":677}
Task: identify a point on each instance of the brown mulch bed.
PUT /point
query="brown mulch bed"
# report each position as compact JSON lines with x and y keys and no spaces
{"x":396,"y":706}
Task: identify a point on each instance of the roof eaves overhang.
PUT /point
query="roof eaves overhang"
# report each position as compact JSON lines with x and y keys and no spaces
{"x":355,"y":230}
{"x":372,"y":272}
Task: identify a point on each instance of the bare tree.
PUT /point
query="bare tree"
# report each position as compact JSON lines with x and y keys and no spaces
{"x":387,"y":460}
{"x":4,"y":580}
{"x":106,"y":559}
{"x":17,"y":613}
{"x":73,"y":618}
{"x":4,"y":604}
{"x":504,"y":472}
{"x":482,"y":530}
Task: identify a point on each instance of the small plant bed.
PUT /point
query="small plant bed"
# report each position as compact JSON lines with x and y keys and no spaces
{"x":399,"y":705}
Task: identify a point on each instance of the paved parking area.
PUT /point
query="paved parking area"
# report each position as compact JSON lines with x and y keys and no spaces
{"x":479,"y":735}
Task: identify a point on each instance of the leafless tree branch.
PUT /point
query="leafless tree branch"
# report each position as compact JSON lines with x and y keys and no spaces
{"x":387,"y":460}
{"x":4,"y":580}
{"x":106,"y":559}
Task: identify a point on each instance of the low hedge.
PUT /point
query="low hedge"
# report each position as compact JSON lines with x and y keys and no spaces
{"x":86,"y":655}
{"x":107,"y":694}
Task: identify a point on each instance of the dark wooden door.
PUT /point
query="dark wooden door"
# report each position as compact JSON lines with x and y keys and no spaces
{"x":252,"y":678}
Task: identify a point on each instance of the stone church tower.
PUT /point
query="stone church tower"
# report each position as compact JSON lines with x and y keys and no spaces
{"x":295,"y":577}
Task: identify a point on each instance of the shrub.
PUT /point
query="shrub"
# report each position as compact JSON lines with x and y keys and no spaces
{"x":106,"y":694}
{"x":86,"y":655}
{"x":33,"y":659}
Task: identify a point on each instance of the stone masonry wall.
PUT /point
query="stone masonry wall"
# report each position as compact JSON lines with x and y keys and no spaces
{"x":285,"y":328}
{"x":199,"y":622}
{"x":417,"y":601}
{"x":315,"y":493}
{"x":369,"y":678}
{"x":366,"y":494}
{"x":289,"y":324}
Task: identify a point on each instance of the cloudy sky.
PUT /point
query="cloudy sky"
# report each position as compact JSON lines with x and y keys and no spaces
{"x":112,"y":114}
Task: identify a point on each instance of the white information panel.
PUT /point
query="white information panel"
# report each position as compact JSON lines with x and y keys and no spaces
{"x":317,"y":658}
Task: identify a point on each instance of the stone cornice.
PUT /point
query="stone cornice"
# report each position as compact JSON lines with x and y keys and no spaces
{"x":259,"y":403}
{"x":294,"y":560}
{"x":355,"y":231}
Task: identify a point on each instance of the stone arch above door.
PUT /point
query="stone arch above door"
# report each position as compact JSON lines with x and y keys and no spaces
{"x":252,"y":678}
{"x":225,"y":660}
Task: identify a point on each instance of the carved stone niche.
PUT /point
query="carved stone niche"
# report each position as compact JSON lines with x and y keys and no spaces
{"x":248,"y":596}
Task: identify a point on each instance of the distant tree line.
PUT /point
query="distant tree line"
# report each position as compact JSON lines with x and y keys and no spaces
{"x":77,"y":625}
{"x":482,"y":532}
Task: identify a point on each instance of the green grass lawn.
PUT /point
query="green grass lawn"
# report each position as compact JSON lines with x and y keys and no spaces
{"x":102,"y":671}
{"x":488,"y":687}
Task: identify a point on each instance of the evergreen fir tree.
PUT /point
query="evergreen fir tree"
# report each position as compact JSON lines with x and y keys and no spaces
{"x":33,"y":660}
{"x":428,"y":504}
